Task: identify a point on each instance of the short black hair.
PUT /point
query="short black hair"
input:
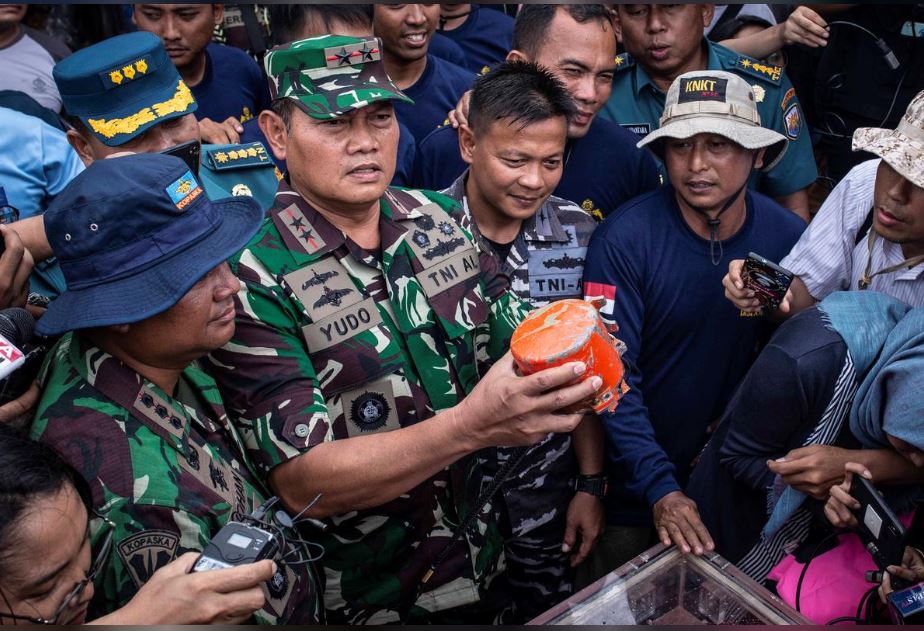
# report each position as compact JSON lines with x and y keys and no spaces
{"x":284,"y":107}
{"x":288,"y":20}
{"x":531,"y":28}
{"x":520,"y":91}
{"x":75,"y":122}
{"x":30,"y":471}
{"x":730,"y":28}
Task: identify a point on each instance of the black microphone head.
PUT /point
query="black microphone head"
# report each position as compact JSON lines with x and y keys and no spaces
{"x":888,"y":54}
{"x":16,"y":325}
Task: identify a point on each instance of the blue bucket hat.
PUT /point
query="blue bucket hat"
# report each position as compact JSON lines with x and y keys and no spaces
{"x":133,"y":235}
{"x":122,"y":86}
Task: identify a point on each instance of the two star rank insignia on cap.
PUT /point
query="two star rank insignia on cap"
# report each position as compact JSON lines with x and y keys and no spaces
{"x":352,"y":54}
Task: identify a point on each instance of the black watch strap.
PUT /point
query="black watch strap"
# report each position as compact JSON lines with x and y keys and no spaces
{"x":596,"y":485}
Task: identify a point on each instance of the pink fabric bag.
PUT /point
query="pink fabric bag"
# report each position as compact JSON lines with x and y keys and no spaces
{"x":835,"y":581}
{"x":833,"y":584}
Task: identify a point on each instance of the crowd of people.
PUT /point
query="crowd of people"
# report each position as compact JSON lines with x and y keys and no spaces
{"x":275,"y":288}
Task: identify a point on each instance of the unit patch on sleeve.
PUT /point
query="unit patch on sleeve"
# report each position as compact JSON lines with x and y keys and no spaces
{"x":370,"y":408}
{"x":146,"y":552}
{"x":184,"y":190}
{"x":293,"y":220}
{"x":793,"y":121}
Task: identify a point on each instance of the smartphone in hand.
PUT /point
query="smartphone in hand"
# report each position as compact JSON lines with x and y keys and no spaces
{"x":766,"y":279}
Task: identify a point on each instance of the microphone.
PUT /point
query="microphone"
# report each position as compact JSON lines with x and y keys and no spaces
{"x":887,"y":54}
{"x":16,"y":326}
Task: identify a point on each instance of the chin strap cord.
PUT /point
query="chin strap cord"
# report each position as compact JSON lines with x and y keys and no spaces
{"x":715,"y":222}
{"x":714,"y":239}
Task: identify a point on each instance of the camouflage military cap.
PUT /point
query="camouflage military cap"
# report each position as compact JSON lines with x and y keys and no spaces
{"x":331,"y":75}
{"x":902,"y":147}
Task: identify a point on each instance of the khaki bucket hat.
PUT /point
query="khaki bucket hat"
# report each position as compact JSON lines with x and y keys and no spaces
{"x":902,"y":147}
{"x":715,"y":102}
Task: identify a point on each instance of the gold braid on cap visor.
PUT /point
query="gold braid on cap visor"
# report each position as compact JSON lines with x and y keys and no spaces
{"x":180,"y":102}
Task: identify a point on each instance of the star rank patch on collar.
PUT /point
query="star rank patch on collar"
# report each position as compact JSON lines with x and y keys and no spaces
{"x":292,"y":220}
{"x":623,"y":61}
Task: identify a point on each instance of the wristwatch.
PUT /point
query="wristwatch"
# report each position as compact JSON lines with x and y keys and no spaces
{"x":596,"y":485}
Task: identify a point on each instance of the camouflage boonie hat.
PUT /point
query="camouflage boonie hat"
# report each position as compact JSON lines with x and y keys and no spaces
{"x":903,"y":147}
{"x":715,"y":102}
{"x":330,"y":75}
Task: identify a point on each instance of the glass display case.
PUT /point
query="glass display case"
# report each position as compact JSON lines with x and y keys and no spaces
{"x":662,"y":586}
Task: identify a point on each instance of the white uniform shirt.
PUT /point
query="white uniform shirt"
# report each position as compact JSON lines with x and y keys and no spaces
{"x":827,"y":258}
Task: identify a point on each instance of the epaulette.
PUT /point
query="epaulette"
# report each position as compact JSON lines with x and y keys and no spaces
{"x":623,"y":61}
{"x":755,"y":68}
{"x":230,"y":157}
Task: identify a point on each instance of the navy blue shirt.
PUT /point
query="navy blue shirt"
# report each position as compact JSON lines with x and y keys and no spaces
{"x":778,"y":404}
{"x":486,"y":37}
{"x":688,"y":345}
{"x":435,"y":93}
{"x":233,"y":85}
{"x":445,"y":48}
{"x":603,"y":170}
{"x":407,"y":157}
{"x":407,"y":151}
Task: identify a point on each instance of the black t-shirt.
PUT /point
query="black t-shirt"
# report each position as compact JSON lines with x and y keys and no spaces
{"x":502,"y":250}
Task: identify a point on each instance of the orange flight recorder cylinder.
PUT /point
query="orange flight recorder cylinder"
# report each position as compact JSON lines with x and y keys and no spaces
{"x":569,"y":331}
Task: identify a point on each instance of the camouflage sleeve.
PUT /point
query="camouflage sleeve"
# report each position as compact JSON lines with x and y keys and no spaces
{"x":148,"y":530}
{"x":265,"y":375}
{"x":145,"y":537}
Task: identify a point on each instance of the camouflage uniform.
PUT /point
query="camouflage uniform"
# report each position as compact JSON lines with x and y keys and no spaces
{"x":333,"y":342}
{"x":169,"y":472}
{"x":545,"y":263}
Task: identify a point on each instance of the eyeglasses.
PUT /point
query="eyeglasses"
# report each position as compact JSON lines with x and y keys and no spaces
{"x":99,"y":561}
